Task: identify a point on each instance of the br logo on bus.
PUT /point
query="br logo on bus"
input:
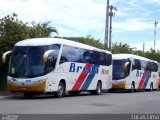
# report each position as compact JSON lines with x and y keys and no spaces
{"x":145,"y":74}
{"x":75,"y":68}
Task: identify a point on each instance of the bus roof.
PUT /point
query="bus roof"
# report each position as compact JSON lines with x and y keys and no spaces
{"x":125,"y":56}
{"x":50,"y":41}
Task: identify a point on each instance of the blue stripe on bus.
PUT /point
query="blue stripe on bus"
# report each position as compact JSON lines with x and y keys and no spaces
{"x":146,"y":79}
{"x":90,"y":78}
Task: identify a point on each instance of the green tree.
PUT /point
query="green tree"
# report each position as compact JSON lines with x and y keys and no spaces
{"x":13,"y":30}
{"x":47,"y":29}
{"x":90,"y":41}
{"x":41,"y":29}
{"x":121,"y":48}
{"x":138,"y":52}
{"x":152,"y":54}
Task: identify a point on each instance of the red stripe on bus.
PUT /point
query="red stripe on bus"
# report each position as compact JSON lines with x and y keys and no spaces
{"x":142,"y":80}
{"x":81,"y":78}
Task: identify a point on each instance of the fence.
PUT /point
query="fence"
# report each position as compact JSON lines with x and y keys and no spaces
{"x":3,"y":75}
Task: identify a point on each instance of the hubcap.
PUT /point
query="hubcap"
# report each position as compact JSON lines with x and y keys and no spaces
{"x":99,"y":88}
{"x":132,"y":88}
{"x":151,"y":87}
{"x":60,"y":90}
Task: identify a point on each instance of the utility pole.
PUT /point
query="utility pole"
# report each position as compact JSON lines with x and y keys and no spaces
{"x":111,"y":14}
{"x":143,"y":47}
{"x":106,"y":24}
{"x":155,"y":28}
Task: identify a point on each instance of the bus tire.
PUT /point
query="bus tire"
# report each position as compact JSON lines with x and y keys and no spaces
{"x":98,"y":89}
{"x":28,"y":95}
{"x":132,"y":88}
{"x":61,"y":91}
{"x":151,"y":87}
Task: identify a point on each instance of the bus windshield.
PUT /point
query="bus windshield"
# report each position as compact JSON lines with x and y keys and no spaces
{"x":27,"y":62}
{"x":119,"y":71}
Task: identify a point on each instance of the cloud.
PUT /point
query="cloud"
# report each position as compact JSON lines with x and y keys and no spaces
{"x":152,"y":1}
{"x":27,"y":10}
{"x":134,"y":16}
{"x":132,"y":8}
{"x":133,"y":24}
{"x":85,"y":17}
{"x":78,"y":16}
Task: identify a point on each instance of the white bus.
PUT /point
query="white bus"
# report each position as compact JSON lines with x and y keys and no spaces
{"x":54,"y":65}
{"x":159,"y":74}
{"x":132,"y":72}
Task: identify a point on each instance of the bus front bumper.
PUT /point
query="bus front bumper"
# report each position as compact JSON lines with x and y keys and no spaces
{"x":119,"y":85}
{"x":36,"y":87}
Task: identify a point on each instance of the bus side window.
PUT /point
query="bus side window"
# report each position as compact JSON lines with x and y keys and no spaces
{"x":63,"y":60}
{"x":96,"y":57}
{"x":86,"y":56}
{"x":151,"y":66}
{"x":136,"y":64}
{"x":55,"y":47}
{"x":79,"y":55}
{"x":133,"y":65}
{"x":51,"y":62}
{"x":155,"y":67}
{"x":66,"y":54}
{"x":129,"y":66}
{"x":108,"y":59}
{"x":102,"y":59}
{"x":148,"y":68}
{"x":71,"y":54}
{"x":105,"y":59}
{"x":143,"y":65}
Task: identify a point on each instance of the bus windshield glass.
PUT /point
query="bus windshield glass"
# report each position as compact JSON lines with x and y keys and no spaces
{"x":27,"y":62}
{"x":119,"y":71}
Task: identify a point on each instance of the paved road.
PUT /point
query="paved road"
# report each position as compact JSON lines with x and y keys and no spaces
{"x":138,"y":102}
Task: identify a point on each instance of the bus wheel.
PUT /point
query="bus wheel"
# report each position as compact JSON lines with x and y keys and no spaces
{"x":28,"y":95}
{"x":151,"y":87}
{"x":98,"y":89}
{"x":132,"y":88}
{"x":61,"y":90}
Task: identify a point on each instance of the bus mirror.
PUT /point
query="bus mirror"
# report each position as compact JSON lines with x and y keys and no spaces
{"x":46,"y":54}
{"x":126,"y":66}
{"x":4,"y":56}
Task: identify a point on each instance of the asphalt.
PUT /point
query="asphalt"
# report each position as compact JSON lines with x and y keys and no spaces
{"x":108,"y":103}
{"x":7,"y":93}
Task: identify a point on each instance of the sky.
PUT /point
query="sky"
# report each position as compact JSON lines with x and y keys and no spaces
{"x":133,"y":23}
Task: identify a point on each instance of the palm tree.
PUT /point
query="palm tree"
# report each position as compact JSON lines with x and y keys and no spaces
{"x":48,"y":29}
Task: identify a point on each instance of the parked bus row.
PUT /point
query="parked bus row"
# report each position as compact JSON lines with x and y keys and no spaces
{"x":159,"y":74}
{"x":54,"y":66}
